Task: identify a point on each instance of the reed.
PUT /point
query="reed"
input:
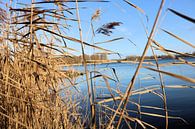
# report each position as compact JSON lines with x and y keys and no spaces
{"x":36,"y":91}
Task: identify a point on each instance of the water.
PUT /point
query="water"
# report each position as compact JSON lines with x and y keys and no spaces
{"x":181,"y":102}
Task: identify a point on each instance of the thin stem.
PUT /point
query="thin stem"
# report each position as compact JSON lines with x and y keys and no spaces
{"x":131,"y":84}
{"x":86,"y":71}
{"x":162,"y":88}
{"x":31,"y":27}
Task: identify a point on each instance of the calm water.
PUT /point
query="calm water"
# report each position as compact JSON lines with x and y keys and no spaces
{"x":181,"y":102}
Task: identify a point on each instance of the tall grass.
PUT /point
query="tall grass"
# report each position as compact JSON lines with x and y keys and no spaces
{"x":36,"y":91}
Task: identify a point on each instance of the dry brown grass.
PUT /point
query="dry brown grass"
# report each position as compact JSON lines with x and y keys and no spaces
{"x":36,"y":92}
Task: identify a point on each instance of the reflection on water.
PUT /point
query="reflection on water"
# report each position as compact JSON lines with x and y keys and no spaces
{"x":181,"y":102}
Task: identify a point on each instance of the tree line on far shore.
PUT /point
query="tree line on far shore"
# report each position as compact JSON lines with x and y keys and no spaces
{"x":137,"y":58}
{"x":100,"y":57}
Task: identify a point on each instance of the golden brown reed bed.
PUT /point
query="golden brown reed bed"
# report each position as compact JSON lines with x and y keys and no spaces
{"x":35,"y":92}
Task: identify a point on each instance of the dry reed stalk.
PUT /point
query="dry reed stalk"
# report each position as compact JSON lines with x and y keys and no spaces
{"x":129,"y":88}
{"x":92,"y":123}
{"x":162,"y":49}
{"x":192,"y":80}
{"x":162,"y":88}
{"x":177,"y":37}
{"x":29,"y":85}
{"x":35,"y":92}
{"x":157,"y":65}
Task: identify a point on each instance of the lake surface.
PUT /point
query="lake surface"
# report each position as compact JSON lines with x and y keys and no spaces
{"x":181,"y":102}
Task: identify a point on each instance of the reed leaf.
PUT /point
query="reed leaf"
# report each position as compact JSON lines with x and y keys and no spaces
{"x":136,"y":7}
{"x":73,"y":39}
{"x":173,"y":75}
{"x":59,"y":1}
{"x":182,"y":15}
{"x":108,"y":41}
{"x":177,"y":37}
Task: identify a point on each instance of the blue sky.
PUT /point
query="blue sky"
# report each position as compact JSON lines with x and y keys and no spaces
{"x":132,"y":28}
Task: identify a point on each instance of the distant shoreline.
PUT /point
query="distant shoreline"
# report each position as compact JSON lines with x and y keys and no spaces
{"x":98,"y":62}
